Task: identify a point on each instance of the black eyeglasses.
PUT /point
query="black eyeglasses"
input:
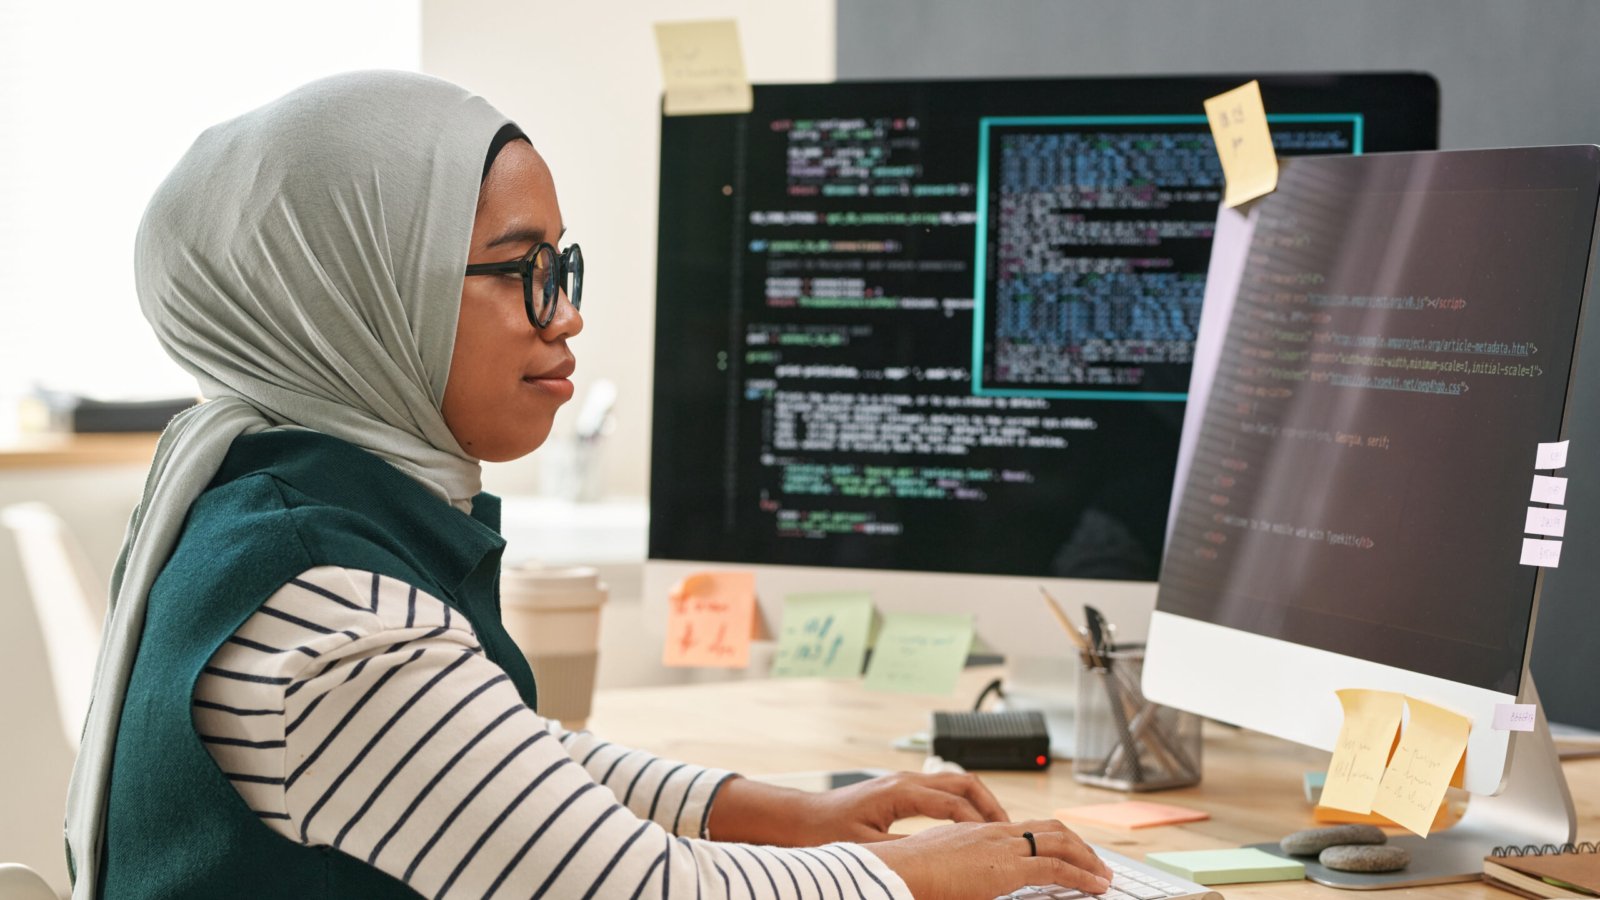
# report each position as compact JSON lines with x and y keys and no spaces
{"x":551,"y":272}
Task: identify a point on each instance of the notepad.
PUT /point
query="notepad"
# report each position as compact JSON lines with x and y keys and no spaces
{"x":1132,"y":814}
{"x":1238,"y":866}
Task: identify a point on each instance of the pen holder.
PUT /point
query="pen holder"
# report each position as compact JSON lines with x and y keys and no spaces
{"x":1124,"y":741}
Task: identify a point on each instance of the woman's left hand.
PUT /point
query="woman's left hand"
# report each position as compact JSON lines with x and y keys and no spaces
{"x":751,"y":812}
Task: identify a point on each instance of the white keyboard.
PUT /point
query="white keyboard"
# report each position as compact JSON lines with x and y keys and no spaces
{"x":1130,"y":880}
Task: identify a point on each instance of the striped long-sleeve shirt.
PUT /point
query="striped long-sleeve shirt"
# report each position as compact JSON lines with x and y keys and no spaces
{"x":356,"y":712}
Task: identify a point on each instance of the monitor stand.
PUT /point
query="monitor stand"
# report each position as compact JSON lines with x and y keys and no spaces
{"x":1534,"y":808}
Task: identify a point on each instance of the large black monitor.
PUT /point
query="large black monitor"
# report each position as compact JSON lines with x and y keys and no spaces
{"x":946,"y":326}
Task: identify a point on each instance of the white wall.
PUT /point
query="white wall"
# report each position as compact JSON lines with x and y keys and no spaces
{"x":583,"y":80}
{"x":98,"y":99}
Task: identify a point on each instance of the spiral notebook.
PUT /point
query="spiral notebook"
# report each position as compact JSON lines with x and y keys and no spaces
{"x":1567,"y":870}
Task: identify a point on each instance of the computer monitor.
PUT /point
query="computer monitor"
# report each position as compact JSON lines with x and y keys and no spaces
{"x":1385,"y":341}
{"x":932,"y":339}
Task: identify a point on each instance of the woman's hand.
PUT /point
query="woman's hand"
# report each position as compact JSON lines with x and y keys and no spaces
{"x":752,"y":812}
{"x":980,"y":862}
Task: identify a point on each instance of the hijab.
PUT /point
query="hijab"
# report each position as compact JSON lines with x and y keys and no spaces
{"x":304,"y":262}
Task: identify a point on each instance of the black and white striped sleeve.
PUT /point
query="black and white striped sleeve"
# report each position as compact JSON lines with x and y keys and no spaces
{"x":354,"y":711}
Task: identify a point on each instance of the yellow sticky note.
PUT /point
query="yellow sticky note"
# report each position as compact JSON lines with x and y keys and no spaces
{"x":711,"y":617}
{"x":702,"y":68}
{"x":1244,"y":145}
{"x":1431,"y":747}
{"x":1371,"y":719}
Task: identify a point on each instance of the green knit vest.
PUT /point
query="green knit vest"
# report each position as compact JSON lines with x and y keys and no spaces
{"x":283,"y":502}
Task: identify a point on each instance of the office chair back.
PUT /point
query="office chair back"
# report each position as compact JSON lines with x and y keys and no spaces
{"x":18,"y":882}
{"x":66,"y":600}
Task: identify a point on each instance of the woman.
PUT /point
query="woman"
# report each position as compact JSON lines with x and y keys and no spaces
{"x":305,"y":689}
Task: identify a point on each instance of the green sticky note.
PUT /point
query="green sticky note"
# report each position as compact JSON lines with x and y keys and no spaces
{"x":1236,"y":866}
{"x":823,"y":635}
{"x":919,"y":653}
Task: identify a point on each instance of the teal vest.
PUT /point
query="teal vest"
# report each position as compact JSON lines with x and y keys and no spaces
{"x":283,"y":502}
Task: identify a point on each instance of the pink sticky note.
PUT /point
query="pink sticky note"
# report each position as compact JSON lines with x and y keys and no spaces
{"x":1513,"y":717}
{"x":1132,"y":814}
{"x":710,"y":620}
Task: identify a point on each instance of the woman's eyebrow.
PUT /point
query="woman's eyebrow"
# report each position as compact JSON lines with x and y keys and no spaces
{"x":521,"y":234}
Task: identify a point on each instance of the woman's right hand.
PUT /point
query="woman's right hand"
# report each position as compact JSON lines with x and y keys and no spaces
{"x":982,"y":861}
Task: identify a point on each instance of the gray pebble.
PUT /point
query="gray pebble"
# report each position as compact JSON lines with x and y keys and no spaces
{"x":1314,"y":840}
{"x":1365,"y":858}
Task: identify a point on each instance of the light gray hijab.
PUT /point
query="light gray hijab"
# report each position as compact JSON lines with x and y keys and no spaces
{"x":304,"y":261}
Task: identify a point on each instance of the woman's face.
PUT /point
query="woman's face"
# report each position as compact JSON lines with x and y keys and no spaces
{"x":507,"y":377}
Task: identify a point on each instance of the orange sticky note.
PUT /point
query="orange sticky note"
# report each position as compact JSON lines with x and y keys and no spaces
{"x":1371,"y":719}
{"x":1132,"y":814}
{"x":1431,"y":747}
{"x":1244,"y":145}
{"x":711,"y":617}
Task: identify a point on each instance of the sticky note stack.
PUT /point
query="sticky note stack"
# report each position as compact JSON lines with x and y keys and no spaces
{"x":1239,"y":866}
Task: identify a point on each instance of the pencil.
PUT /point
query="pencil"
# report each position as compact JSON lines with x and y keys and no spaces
{"x":1066,"y":624}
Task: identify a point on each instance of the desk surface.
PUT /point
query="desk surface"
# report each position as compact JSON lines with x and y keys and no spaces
{"x":1252,"y":786}
{"x":52,"y":451}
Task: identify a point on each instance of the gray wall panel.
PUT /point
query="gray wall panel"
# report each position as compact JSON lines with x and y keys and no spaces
{"x":1510,"y":71}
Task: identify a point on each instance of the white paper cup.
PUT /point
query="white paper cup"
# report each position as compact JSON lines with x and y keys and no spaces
{"x":553,"y":613}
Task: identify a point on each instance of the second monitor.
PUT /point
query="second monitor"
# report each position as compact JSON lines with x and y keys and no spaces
{"x":914,"y":328}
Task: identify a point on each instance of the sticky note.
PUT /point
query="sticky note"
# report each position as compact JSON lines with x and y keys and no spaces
{"x":919,"y":653}
{"x":1371,"y":719}
{"x":1545,"y":554}
{"x":1311,"y":783}
{"x":1552,"y":456}
{"x":823,"y":636}
{"x":1549,"y":489}
{"x":1514,"y":716}
{"x":1431,"y":747}
{"x":1545,"y":521}
{"x":702,"y":68}
{"x":1244,"y":145}
{"x":711,"y":617}
{"x":1132,"y":814}
{"x":1238,"y":866}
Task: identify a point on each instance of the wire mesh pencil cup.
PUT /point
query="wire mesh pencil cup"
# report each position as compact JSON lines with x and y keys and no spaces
{"x":1124,"y":741}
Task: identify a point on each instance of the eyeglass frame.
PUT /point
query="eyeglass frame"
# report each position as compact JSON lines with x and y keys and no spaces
{"x":563,"y":263}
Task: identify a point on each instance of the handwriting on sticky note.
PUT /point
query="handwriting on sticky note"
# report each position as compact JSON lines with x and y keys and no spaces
{"x":1536,"y":552}
{"x":1549,"y":489}
{"x":823,"y":636}
{"x":1552,"y":456}
{"x":710,"y":619}
{"x":1431,"y":746}
{"x":1244,"y":145}
{"x":1548,"y":522}
{"x":1514,"y":716}
{"x":1371,"y":719}
{"x":702,"y":68}
{"x":919,"y":653}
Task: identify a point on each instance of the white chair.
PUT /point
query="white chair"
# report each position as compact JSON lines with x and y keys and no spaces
{"x":18,"y":882}
{"x":68,"y":603}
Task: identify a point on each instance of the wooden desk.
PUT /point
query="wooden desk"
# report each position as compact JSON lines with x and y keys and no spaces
{"x":51,"y":451}
{"x":1252,"y":785}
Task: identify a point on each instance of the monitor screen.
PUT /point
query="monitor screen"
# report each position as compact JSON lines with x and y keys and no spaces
{"x":1402,"y":338}
{"x":948,"y":326}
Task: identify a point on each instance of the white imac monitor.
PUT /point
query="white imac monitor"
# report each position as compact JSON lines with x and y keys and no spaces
{"x":1386,"y":340}
{"x":932,"y":340}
